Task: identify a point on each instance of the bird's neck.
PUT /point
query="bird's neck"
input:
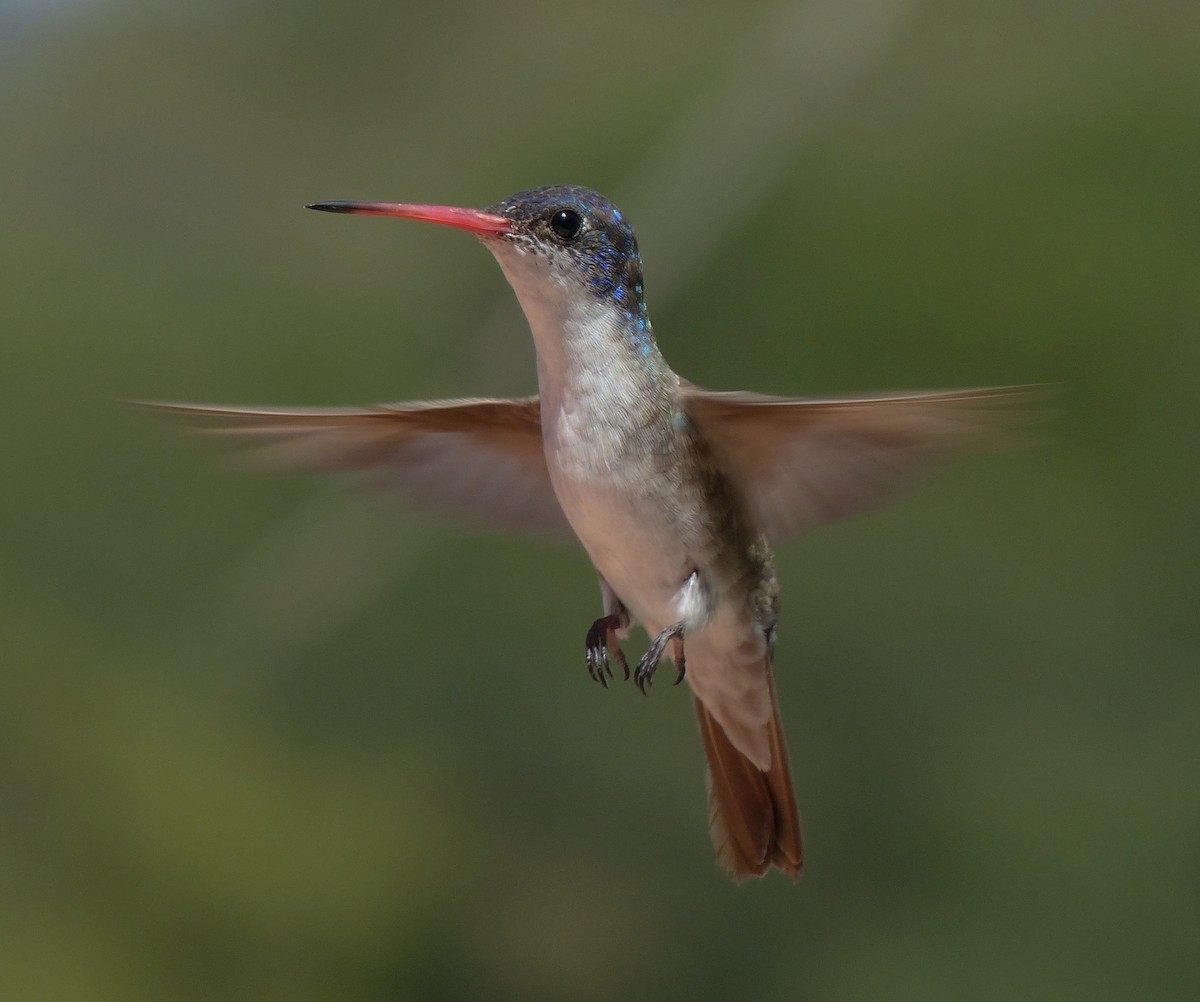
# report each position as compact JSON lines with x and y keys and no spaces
{"x":601,"y":348}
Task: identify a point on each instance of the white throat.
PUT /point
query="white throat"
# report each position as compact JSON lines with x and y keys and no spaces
{"x":574,"y":333}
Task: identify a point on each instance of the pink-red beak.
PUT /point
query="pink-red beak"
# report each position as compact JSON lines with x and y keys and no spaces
{"x":471,"y":220}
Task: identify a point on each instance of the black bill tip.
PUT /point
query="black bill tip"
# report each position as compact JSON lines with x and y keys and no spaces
{"x":335,"y":206}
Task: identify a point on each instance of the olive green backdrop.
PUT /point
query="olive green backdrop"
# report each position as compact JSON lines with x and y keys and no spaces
{"x":264,"y":738}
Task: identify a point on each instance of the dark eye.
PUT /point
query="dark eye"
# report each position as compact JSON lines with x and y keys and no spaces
{"x":566,"y":223}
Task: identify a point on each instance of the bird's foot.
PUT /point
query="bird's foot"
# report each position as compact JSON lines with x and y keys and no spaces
{"x":643,"y":674}
{"x":601,"y":641}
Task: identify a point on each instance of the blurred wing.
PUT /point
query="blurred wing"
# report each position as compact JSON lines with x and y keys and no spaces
{"x":800,"y":463}
{"x":480,"y":459}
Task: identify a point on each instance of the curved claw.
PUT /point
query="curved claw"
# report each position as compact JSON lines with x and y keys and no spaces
{"x":680,"y":663}
{"x":596,"y":668}
{"x":621,"y":658}
{"x":601,"y":641}
{"x":643,"y":675}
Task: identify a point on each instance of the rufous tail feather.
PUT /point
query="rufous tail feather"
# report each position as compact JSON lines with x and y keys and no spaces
{"x":752,"y":814}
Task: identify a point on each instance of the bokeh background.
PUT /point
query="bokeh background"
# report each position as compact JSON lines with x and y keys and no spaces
{"x":263,"y":738}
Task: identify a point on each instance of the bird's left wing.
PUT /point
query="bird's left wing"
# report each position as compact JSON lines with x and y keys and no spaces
{"x":479,"y":459}
{"x":800,"y":463}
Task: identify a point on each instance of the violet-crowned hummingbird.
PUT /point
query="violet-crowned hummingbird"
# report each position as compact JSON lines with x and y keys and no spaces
{"x":675,"y":492}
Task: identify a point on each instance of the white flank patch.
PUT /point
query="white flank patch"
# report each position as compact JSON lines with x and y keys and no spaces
{"x":692,"y":604}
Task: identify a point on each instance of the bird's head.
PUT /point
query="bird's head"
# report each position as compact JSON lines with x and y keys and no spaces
{"x":573,"y":237}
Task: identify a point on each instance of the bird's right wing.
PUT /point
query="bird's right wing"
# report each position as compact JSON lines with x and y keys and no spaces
{"x":478,"y":459}
{"x":801,"y":463}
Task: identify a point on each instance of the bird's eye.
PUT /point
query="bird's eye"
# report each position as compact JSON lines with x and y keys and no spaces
{"x":566,"y":224}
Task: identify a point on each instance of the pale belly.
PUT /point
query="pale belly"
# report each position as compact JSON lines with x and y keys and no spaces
{"x":635,"y":543}
{"x":640,"y":552}
{"x":649,"y":529}
{"x":646,"y":550}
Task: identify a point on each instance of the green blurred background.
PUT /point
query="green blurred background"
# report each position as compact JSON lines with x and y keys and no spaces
{"x":261,"y":738}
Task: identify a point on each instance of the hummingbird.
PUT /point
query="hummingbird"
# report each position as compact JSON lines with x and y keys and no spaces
{"x":676,"y":493}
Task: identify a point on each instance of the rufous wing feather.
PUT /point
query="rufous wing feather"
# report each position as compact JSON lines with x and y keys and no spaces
{"x":800,"y":463}
{"x":479,"y":459}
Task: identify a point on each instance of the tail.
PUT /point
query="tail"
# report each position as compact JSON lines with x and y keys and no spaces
{"x":752,"y":814}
